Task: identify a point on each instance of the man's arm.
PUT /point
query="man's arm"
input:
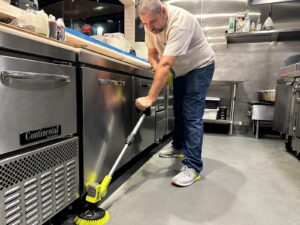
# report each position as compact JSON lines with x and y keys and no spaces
{"x":153,"y":58}
{"x":159,"y":82}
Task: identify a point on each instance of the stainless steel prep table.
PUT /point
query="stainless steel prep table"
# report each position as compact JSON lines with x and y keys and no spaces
{"x":234,"y":85}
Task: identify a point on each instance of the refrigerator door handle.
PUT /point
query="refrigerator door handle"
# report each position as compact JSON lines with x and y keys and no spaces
{"x":112,"y":82}
{"x":37,"y":77}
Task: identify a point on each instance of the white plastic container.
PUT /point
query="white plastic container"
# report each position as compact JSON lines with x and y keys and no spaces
{"x":210,"y":114}
{"x":42,"y":25}
{"x":268,"y":24}
{"x":247,"y":22}
{"x":60,"y":30}
{"x":231,"y":25}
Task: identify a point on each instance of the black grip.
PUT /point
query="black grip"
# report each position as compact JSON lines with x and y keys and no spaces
{"x":147,"y":112}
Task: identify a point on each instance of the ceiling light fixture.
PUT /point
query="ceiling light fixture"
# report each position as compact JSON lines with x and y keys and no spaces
{"x":215,"y":38}
{"x":174,"y":1}
{"x":215,"y":28}
{"x":220,"y":15}
{"x":99,"y":8}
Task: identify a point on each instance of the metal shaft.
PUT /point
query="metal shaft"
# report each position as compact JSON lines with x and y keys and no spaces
{"x":133,"y":133}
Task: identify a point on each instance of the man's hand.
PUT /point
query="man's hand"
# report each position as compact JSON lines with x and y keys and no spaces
{"x":144,"y":102}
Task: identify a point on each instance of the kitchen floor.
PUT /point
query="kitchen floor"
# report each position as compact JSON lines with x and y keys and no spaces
{"x":245,"y":181}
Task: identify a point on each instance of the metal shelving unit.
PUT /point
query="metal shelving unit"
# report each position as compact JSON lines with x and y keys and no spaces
{"x":230,"y":120}
{"x":217,"y":121}
{"x":264,"y":36}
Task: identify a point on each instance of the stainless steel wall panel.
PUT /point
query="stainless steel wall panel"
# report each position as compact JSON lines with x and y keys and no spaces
{"x":286,"y":15}
{"x":245,"y":62}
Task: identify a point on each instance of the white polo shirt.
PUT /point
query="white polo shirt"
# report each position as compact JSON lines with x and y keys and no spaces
{"x":183,"y":37}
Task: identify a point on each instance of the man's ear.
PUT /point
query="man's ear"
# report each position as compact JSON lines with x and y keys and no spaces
{"x":164,"y":11}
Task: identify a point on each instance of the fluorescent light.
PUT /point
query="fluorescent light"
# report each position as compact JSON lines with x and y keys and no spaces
{"x":220,"y":15}
{"x":100,"y":30}
{"x":215,"y":38}
{"x":99,"y":8}
{"x":174,"y":1}
{"x":215,"y":28}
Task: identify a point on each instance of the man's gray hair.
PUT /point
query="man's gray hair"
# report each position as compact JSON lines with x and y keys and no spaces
{"x":153,"y":6}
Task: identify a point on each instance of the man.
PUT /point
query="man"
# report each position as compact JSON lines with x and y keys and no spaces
{"x":176,"y":42}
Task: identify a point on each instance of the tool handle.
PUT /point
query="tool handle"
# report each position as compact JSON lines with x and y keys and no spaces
{"x":147,"y":111}
{"x":129,"y":140}
{"x":98,"y":191}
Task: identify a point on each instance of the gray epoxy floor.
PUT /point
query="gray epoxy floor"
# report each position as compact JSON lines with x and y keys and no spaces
{"x":245,"y":182}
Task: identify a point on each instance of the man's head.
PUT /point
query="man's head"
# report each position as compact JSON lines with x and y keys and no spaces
{"x":153,"y":15}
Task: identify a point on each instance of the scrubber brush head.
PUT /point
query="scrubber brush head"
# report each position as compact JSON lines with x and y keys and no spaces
{"x":92,"y":215}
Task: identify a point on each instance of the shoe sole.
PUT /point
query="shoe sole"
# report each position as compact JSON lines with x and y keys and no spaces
{"x":178,"y":156}
{"x":186,"y":184}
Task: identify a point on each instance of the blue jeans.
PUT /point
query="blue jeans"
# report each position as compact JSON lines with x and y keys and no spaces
{"x":189,"y":103}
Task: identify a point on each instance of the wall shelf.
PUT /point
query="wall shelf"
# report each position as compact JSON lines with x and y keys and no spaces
{"x":264,"y":36}
{"x":217,"y":121}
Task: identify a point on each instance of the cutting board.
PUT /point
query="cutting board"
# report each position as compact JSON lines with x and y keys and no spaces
{"x":83,"y":41}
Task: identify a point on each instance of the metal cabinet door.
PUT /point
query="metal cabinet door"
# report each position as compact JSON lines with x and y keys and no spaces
{"x":283,"y":108}
{"x":38,"y":102}
{"x":146,"y":136}
{"x":170,"y":111}
{"x":107,"y":120}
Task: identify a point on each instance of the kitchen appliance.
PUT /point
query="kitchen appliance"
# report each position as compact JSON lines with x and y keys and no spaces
{"x":296,"y":123}
{"x":260,"y":112}
{"x":108,"y":112}
{"x":39,"y":102}
{"x":286,"y":104}
{"x":96,"y":192}
{"x":39,"y":153}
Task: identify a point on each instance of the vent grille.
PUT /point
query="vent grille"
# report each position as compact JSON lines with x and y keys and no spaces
{"x":31,"y":201}
{"x":12,"y":206}
{"x":24,"y":168}
{"x":161,"y":129}
{"x":71,"y":181}
{"x":37,"y":185}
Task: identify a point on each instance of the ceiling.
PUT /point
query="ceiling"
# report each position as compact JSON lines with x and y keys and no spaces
{"x":82,"y":9}
{"x":44,"y":3}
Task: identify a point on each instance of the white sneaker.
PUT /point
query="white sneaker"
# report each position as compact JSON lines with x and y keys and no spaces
{"x":186,"y":177}
{"x":170,"y":152}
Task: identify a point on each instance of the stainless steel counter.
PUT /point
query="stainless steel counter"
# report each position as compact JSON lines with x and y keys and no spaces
{"x":104,"y":62}
{"x":24,"y":45}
